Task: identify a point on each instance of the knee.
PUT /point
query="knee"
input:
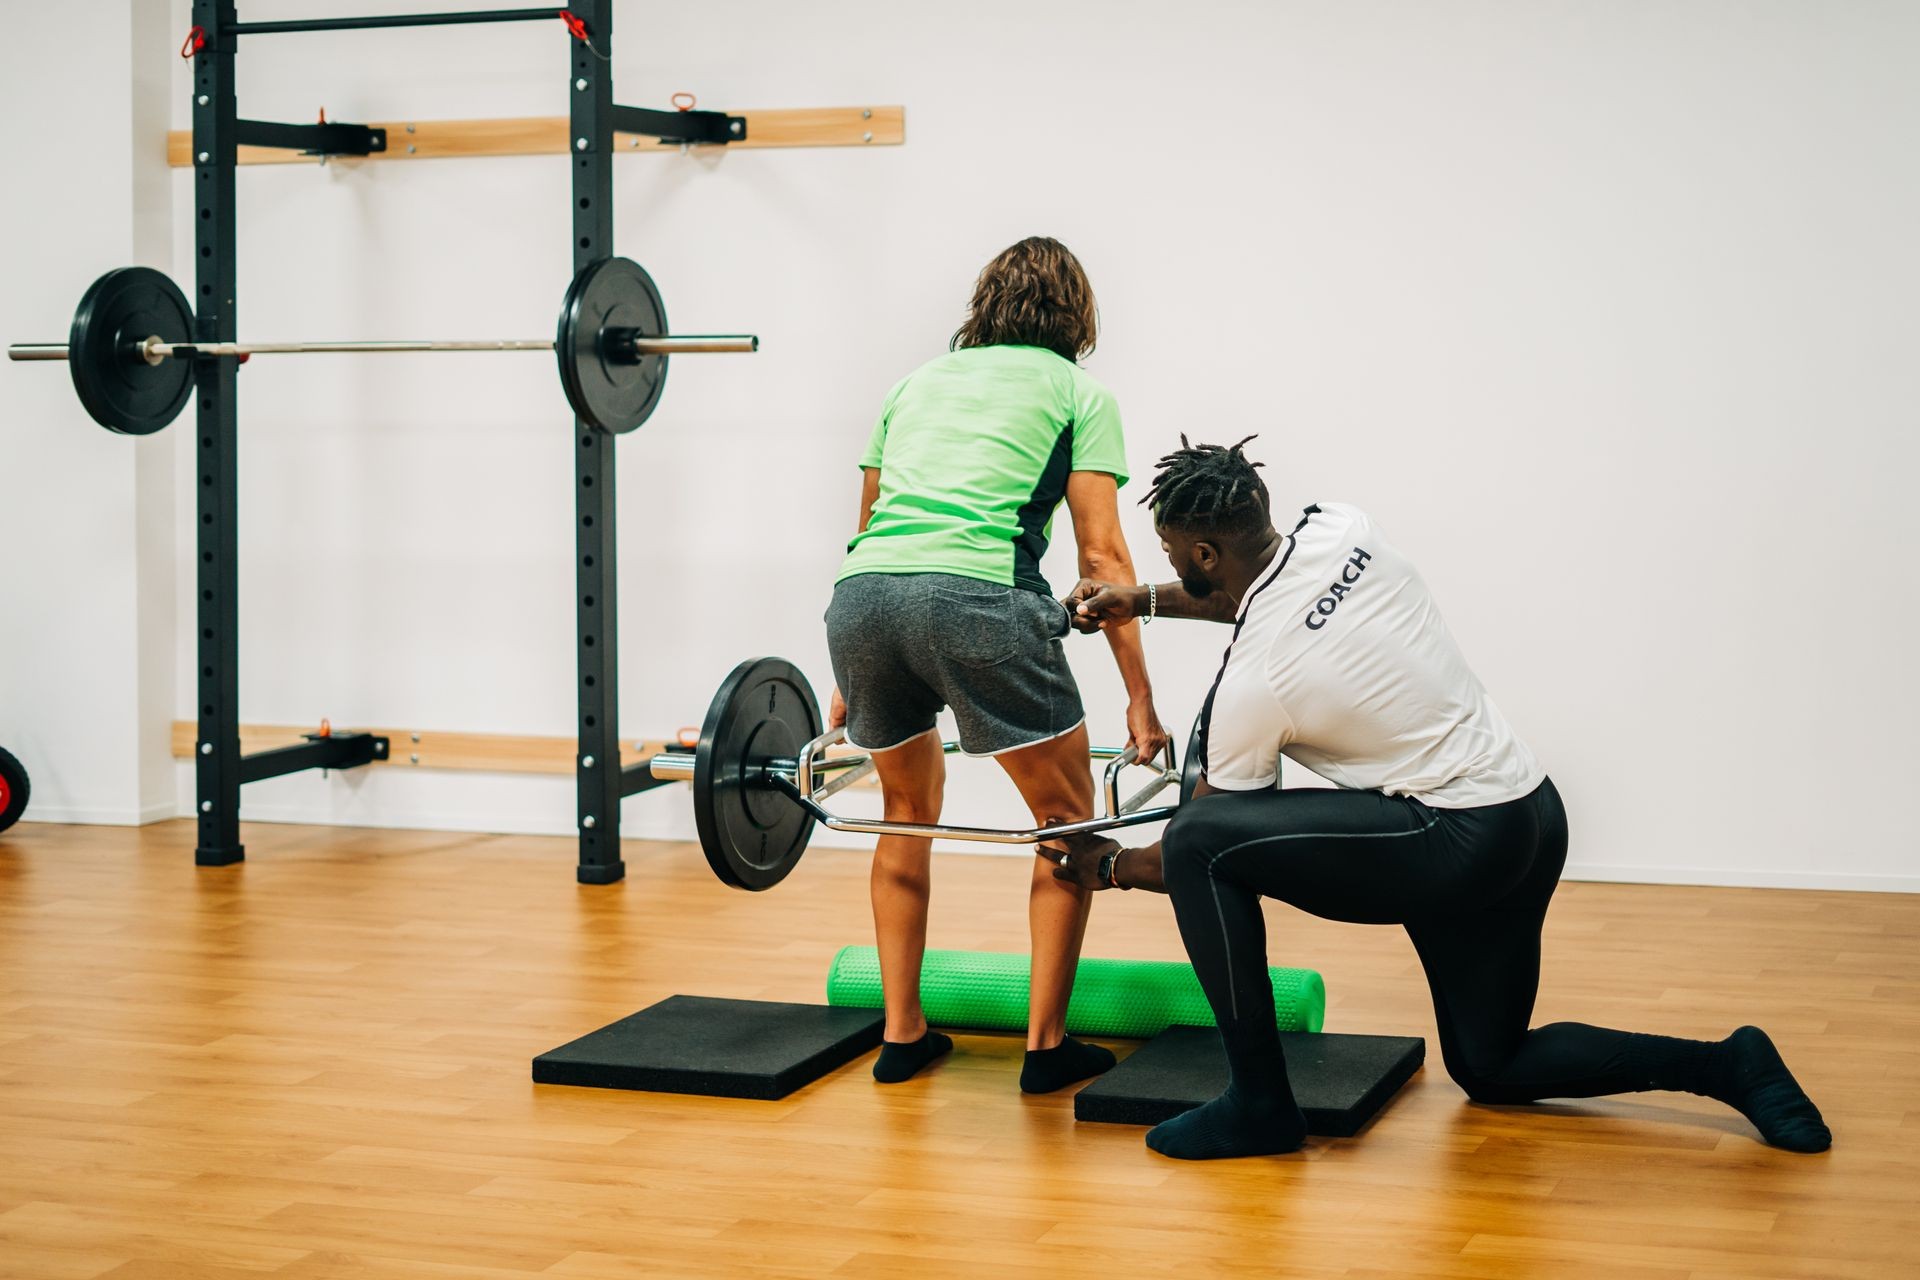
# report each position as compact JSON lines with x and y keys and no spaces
{"x":920,"y":804}
{"x":1192,"y":839}
{"x":1478,"y":1087}
{"x":1483,"y":1080}
{"x":914,"y":796}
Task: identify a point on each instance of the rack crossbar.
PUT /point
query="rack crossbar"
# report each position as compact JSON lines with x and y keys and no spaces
{"x":371,"y":21}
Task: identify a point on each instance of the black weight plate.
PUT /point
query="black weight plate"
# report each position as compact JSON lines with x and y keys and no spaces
{"x":606,"y":391}
{"x":14,"y":789}
{"x":1190,"y":761}
{"x":118,"y":312}
{"x":1190,"y":769}
{"x":752,"y":833}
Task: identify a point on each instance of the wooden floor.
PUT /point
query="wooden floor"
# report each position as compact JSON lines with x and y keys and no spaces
{"x":316,"y":1064}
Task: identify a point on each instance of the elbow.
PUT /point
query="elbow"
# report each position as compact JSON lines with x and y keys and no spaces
{"x":1106,"y":562}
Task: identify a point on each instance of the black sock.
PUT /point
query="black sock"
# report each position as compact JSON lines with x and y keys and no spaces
{"x":1754,"y":1081}
{"x":899,"y":1062}
{"x":1232,"y":1125}
{"x":1667,"y":1062}
{"x":1068,"y":1061}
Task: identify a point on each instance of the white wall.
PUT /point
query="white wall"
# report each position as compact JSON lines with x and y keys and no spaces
{"x":1604,"y":310}
{"x":86,"y":576}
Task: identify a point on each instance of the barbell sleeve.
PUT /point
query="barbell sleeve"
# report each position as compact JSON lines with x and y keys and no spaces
{"x":672,"y":766}
{"x":697,"y":344}
{"x":37,"y":351}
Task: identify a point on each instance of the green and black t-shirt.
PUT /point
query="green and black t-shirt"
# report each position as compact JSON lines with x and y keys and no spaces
{"x":974,"y":450}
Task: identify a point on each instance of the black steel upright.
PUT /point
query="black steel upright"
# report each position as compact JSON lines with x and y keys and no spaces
{"x":217,"y":133}
{"x":590,"y":89}
{"x":217,"y":746}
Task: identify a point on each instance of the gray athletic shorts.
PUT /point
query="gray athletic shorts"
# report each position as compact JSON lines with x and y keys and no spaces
{"x":905,"y":645}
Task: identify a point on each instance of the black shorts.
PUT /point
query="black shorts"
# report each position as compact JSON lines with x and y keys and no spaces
{"x":904,"y":645}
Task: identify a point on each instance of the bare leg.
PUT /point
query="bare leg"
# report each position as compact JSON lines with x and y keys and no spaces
{"x":1054,"y":779}
{"x":912,"y":779}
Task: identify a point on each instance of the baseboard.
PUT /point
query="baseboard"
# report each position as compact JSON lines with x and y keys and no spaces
{"x":1741,"y":878}
{"x":84,"y":816}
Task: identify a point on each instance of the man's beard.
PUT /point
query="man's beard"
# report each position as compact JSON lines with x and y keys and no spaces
{"x":1197,"y":587}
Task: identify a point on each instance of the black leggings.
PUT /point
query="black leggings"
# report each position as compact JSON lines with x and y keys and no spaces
{"x":1470,"y":885}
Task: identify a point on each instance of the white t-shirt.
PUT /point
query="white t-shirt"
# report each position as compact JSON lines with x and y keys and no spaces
{"x":1341,"y":662}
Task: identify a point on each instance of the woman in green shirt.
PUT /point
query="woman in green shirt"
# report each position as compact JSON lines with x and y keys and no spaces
{"x":940,"y":603}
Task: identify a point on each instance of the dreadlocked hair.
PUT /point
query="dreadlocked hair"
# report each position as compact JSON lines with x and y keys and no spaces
{"x":1209,"y":488}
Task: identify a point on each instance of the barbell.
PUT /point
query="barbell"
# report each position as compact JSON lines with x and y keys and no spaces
{"x":132,"y":353}
{"x":761,"y":778}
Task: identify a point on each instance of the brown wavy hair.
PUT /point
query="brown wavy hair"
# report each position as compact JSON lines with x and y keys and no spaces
{"x":1033,"y":294}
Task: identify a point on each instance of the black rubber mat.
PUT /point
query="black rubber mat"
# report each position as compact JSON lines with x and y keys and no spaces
{"x":1339,"y":1081}
{"x":721,"y":1048}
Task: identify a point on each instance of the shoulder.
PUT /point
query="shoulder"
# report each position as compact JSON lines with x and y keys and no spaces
{"x":1330,"y":515}
{"x":1327,"y":525}
{"x":946,"y":361}
{"x":1091,"y":402}
{"x":1084,"y":384}
{"x":1334,"y":516}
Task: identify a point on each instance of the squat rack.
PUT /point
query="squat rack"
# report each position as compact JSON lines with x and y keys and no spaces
{"x":218,"y":134}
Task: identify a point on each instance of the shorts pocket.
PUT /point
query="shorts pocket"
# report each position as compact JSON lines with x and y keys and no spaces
{"x":975,"y":628}
{"x":1054,"y":620}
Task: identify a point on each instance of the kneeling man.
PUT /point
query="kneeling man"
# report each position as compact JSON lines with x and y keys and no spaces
{"x":1442,"y":820}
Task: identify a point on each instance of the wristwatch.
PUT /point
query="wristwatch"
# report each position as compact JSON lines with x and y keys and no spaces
{"x":1108,"y":861}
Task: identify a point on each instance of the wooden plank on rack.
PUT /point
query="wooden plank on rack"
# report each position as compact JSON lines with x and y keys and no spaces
{"x":436,"y":749}
{"x":547,"y":135}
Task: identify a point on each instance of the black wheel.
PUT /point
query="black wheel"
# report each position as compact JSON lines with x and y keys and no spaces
{"x":13,"y":789}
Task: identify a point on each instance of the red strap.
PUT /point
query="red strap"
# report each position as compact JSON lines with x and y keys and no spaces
{"x":577,"y":28}
{"x":196,"y":41}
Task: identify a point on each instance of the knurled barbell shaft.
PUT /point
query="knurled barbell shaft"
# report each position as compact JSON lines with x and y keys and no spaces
{"x":155,"y":350}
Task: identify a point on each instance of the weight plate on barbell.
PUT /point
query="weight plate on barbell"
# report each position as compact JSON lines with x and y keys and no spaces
{"x":611,"y":392}
{"x":1190,"y":767}
{"x":753,"y":833}
{"x":14,"y":788}
{"x":118,"y":312}
{"x":1192,"y":764}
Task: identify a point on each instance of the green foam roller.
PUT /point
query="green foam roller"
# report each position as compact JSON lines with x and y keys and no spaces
{"x":1131,"y":999}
